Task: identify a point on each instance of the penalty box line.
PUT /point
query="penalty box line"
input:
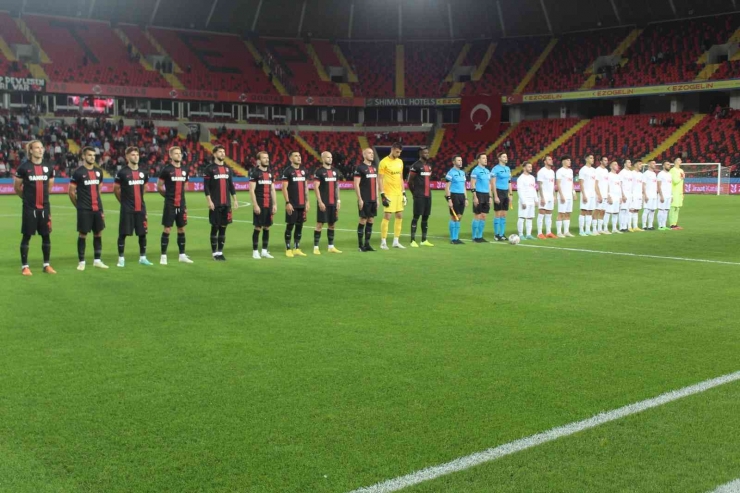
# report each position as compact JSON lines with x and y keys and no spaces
{"x":491,"y":454}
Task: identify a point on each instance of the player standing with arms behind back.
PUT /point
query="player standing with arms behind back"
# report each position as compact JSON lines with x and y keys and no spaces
{"x":602,"y":192}
{"x":626,"y":178}
{"x":171,"y":185}
{"x":84,"y":192}
{"x":665,"y":188}
{"x":326,"y":186}
{"x":527,"y":190}
{"x":502,"y":195}
{"x":390,"y":183}
{"x":457,"y":198}
{"x":546,"y":181}
{"x":677,"y":176}
{"x":649,"y":196}
{"x":33,"y":180}
{"x":566,"y":196}
{"x":636,"y":199}
{"x":218,"y":185}
{"x":587,"y":180}
{"x":295,"y":193}
{"x":418,"y":180}
{"x":366,"y":188}
{"x":262,"y":193}
{"x":129,"y":189}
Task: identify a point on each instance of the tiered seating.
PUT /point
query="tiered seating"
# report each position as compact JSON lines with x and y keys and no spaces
{"x":374,"y":63}
{"x":508,"y":66}
{"x":345,"y":144}
{"x":388,"y":138}
{"x":9,"y":30}
{"x":325,"y":51}
{"x":531,"y":136}
{"x":563,"y":68}
{"x":224,"y":63}
{"x":100,"y":57}
{"x":292,"y":54}
{"x":427,"y":64}
{"x":243,"y":145}
{"x":621,"y":137}
{"x":713,"y":140}
{"x":681,"y":44}
{"x":138,"y":39}
{"x":467,"y":150}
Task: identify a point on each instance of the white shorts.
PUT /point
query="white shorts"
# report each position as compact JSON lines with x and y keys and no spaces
{"x":613,"y":208}
{"x":651,"y":204}
{"x":565,"y":208}
{"x":590,"y":204}
{"x":625,"y":206}
{"x":602,"y":206}
{"x":664,"y":206}
{"x":549,"y":204}
{"x":527,"y":213}
{"x":636,"y":203}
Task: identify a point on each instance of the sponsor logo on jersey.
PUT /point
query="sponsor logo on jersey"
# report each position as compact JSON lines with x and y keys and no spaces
{"x":299,"y":178}
{"x":38,"y":178}
{"x":264,"y":182}
{"x":179,"y":178}
{"x":330,"y":178}
{"x":135,"y":182}
{"x":426,"y":173}
{"x":92,"y":182}
{"x":224,"y":176}
{"x":372,"y":175}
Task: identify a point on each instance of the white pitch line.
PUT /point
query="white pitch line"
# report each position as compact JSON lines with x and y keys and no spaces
{"x":626,"y":254}
{"x":731,"y":487}
{"x":491,"y":454}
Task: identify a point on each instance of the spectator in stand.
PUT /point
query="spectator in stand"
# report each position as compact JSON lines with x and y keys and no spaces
{"x":4,"y":169}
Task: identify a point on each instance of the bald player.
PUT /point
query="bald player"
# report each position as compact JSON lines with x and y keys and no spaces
{"x":326,"y":186}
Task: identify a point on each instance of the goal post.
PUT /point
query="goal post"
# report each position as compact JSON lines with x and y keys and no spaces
{"x":706,"y":178}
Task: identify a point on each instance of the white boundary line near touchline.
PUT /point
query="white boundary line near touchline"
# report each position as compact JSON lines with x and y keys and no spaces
{"x":731,"y":487}
{"x":491,"y":454}
{"x":582,"y":250}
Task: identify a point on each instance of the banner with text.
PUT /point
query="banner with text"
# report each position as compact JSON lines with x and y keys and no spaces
{"x":21,"y":84}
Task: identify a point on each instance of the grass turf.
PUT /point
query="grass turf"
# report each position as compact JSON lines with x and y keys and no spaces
{"x":326,"y":374}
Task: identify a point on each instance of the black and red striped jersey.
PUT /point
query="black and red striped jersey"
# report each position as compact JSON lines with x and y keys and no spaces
{"x":218,"y":183}
{"x":296,"y":180}
{"x":174,"y":179}
{"x":261,"y":182}
{"x":327,"y":179}
{"x":368,"y":182}
{"x":133,"y":183}
{"x":35,"y":183}
{"x":419,"y":176}
{"x":88,"y":192}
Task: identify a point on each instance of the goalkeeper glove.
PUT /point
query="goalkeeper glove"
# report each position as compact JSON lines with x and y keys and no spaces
{"x":384,"y":200}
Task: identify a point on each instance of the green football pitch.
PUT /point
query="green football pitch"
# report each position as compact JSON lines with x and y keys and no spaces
{"x":332,"y":373}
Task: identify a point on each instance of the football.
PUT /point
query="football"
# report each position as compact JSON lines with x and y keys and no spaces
{"x":514,"y":239}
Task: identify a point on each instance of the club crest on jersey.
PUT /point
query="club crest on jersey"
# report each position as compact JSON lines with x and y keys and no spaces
{"x":183,"y":173}
{"x":46,"y":170}
{"x":141,"y":175}
{"x":97,"y":174}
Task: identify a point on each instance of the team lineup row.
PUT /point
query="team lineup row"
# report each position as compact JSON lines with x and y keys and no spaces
{"x":604,"y":194}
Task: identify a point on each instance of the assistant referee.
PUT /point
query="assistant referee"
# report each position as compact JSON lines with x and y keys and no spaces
{"x":502,"y":196}
{"x":456,"y":197}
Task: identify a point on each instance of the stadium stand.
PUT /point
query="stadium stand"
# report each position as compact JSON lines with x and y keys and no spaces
{"x":427,"y":64}
{"x":292,"y":55}
{"x":713,"y":140}
{"x":374,"y":64}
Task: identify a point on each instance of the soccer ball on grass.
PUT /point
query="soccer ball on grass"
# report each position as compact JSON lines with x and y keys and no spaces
{"x":514,"y":239}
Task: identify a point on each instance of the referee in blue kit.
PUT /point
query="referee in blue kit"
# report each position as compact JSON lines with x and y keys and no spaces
{"x":501,"y":173}
{"x":456,"y":197}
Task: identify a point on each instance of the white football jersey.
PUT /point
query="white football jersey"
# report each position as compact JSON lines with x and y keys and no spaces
{"x":565,"y":177}
{"x":525,"y":186}
{"x":627,"y":182}
{"x":615,"y":186}
{"x":546,"y":181}
{"x":588,"y":175}
{"x":602,"y":180}
{"x":636,"y":184}
{"x":650,"y":179}
{"x":666,"y":183}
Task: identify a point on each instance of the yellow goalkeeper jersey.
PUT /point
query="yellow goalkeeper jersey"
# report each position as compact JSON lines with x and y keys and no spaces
{"x":392,"y":171}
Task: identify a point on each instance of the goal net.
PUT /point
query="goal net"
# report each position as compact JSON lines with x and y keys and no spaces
{"x":706,"y":178}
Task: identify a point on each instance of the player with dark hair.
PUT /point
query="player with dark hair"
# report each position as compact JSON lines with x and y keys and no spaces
{"x":587,"y":181}
{"x":480,"y":185}
{"x":33,"y":180}
{"x":129,"y":189}
{"x":392,"y":195}
{"x":326,"y":186}
{"x":84,"y":192}
{"x":218,"y":185}
{"x":171,"y":185}
{"x":456,"y":197}
{"x":501,"y":175}
{"x":418,"y":180}
{"x":366,"y":188}
{"x":295,"y":193}
{"x":262,"y":193}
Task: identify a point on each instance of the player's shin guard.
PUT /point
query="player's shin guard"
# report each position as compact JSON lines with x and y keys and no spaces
{"x":288,"y":236}
{"x":255,"y":239}
{"x":142,"y":245}
{"x":520,"y":226}
{"x":397,"y":225}
{"x":540,"y":223}
{"x":298,"y":235}
{"x":581,"y":223}
{"x":165,"y":242}
{"x":121,"y":245}
{"x":214,"y":239}
{"x":316,"y":238}
{"x":24,"y":250}
{"x":81,"y":244}
{"x":360,"y":234}
{"x":566,"y":225}
{"x":674,"y":216}
{"x":330,"y":237}
{"x":97,"y":247}
{"x":529,"y":227}
{"x":368,"y":233}
{"x":496,"y":226}
{"x":221,"y":238}
{"x":424,"y":227}
{"x":548,"y":223}
{"x":635,"y":218}
{"x":588,"y":222}
{"x":502,"y":226}
{"x":452,"y":229}
{"x":181,"y":243}
{"x":46,"y":248}
{"x":384,"y":229}
{"x":559,"y":226}
{"x":475,"y":229}
{"x":265,"y":238}
{"x":414,"y":223}
{"x":457,"y":230}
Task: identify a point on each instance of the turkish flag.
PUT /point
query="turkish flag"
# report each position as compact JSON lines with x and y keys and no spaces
{"x":480,"y":118}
